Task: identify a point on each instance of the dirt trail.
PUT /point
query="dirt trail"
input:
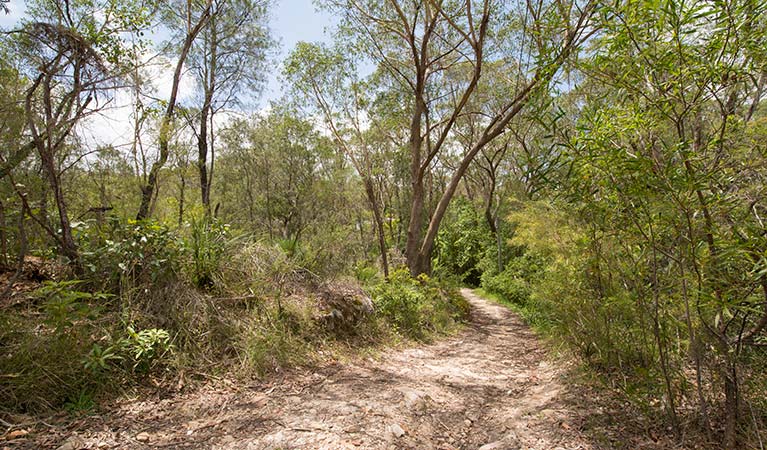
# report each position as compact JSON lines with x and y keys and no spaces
{"x":490,"y":387}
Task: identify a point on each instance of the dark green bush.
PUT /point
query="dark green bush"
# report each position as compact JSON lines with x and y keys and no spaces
{"x":516,"y":281}
{"x":461,"y":242}
{"x":418,"y":307}
{"x":137,"y":254}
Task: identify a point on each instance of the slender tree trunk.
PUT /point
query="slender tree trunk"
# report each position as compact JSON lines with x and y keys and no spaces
{"x":202,"y":154}
{"x":3,"y":236}
{"x":414,"y":262}
{"x":728,"y":369}
{"x":148,"y":190}
{"x":181,"y":196}
{"x":66,"y":239}
{"x":695,"y":347}
{"x":731,"y":406}
{"x":206,"y":114}
{"x":374,"y":206}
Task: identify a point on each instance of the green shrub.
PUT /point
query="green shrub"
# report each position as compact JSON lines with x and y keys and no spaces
{"x":365,"y":273}
{"x":461,"y":242}
{"x":515,"y":283}
{"x":56,"y":356}
{"x":63,"y":306}
{"x":206,"y":246}
{"x":138,"y":255}
{"x":418,"y":307}
{"x":144,"y":348}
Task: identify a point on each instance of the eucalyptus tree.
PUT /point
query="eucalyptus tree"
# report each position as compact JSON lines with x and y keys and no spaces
{"x":197,"y":17}
{"x":436,"y":52}
{"x":72,"y":55}
{"x":229,"y":64}
{"x":329,"y":82}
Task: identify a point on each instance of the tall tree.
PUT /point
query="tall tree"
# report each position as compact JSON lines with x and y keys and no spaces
{"x":328,"y":80}
{"x":192,"y":30}
{"x":436,"y":52}
{"x":72,"y":60}
{"x":228,"y":58}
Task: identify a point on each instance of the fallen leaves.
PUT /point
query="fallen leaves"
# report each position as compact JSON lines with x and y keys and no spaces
{"x":15,"y":434}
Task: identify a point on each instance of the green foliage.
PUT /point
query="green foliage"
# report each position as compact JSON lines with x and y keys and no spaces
{"x":63,"y":306}
{"x":206,"y":247}
{"x":365,"y":274}
{"x":418,"y":307}
{"x":44,"y":364}
{"x":136,"y":254}
{"x":101,"y":359}
{"x":516,"y":281}
{"x":82,"y":402}
{"x":145,"y":347}
{"x":462,"y":241}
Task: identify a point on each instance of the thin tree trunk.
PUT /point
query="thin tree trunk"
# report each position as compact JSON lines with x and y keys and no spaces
{"x":148,"y":190}
{"x":3,"y":237}
{"x":206,"y":114}
{"x":370,"y":191}
{"x":731,"y":407}
{"x":695,"y":346}
{"x":181,"y":196}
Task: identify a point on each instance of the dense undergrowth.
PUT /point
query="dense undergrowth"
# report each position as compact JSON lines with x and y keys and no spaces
{"x":152,"y":303}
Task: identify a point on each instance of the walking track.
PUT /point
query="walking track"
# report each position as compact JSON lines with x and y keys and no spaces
{"x":490,"y":387}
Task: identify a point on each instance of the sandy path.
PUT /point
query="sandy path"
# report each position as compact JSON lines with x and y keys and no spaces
{"x":490,"y":387}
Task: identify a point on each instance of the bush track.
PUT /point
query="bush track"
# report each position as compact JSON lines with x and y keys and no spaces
{"x":490,"y":387}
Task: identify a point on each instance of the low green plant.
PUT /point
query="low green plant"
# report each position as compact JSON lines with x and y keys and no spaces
{"x":63,"y":305}
{"x":80,"y":403}
{"x":102,"y":359}
{"x":515,"y":283}
{"x":418,"y":307}
{"x":206,"y":246}
{"x":145,"y":347}
{"x":136,"y":351}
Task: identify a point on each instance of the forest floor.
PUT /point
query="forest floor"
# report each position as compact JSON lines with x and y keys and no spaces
{"x":492,"y":386}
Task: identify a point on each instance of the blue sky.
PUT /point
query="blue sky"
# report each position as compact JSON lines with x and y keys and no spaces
{"x":291,"y":21}
{"x":294,"y":21}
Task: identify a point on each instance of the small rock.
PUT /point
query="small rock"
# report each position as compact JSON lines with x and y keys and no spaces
{"x":103,"y":444}
{"x":396,"y":430}
{"x":72,"y":443}
{"x":467,"y":422}
{"x":492,"y":446}
{"x":228,"y":439}
{"x":142,"y":437}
